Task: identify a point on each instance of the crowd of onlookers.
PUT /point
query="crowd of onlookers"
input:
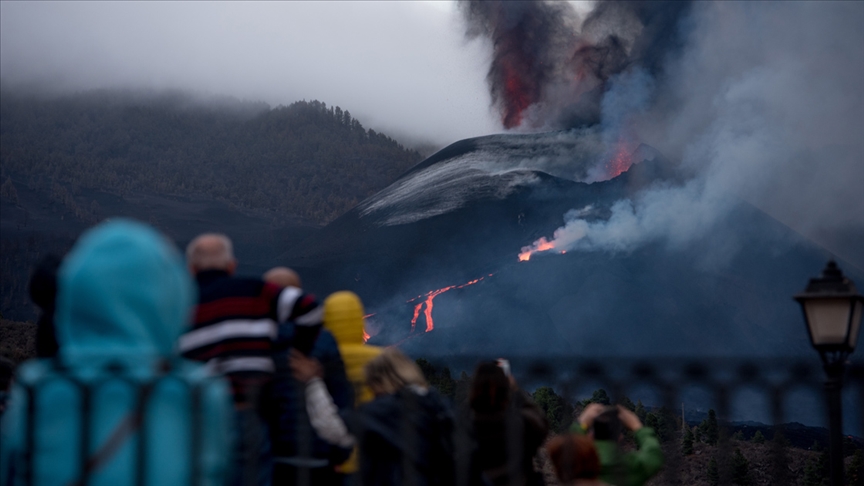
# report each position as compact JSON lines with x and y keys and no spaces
{"x":155,"y":369}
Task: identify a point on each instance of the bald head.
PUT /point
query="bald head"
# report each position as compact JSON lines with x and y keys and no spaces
{"x":283,"y":277}
{"x":211,"y":251}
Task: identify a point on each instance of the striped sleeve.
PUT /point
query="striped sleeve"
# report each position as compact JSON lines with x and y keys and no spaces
{"x":301,"y":308}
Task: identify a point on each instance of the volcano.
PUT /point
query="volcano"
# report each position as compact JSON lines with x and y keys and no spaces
{"x":464,"y":213}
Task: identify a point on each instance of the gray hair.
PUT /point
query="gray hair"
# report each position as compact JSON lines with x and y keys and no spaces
{"x":210,"y":251}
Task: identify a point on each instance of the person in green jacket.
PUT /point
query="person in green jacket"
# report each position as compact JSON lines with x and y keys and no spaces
{"x":631,"y":468}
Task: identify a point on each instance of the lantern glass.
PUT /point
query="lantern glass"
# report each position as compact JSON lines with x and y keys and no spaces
{"x":828,"y":320}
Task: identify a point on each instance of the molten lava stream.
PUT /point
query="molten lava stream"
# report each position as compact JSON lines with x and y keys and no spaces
{"x":540,"y":245}
{"x":428,"y":302}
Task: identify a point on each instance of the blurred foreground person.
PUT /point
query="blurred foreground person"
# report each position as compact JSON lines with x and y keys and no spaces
{"x":124,"y":298}
{"x":575,"y":460}
{"x":343,"y":317}
{"x":404,"y":434}
{"x":298,"y":452}
{"x":235,"y":327}
{"x":508,"y":429}
{"x":283,"y":277}
{"x":43,"y":293}
{"x":604,"y":425}
{"x":7,"y":369}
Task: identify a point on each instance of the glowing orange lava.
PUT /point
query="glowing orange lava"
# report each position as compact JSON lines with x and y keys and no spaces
{"x":429,"y":304}
{"x":366,"y":335}
{"x":540,"y":245}
{"x":621,"y":161}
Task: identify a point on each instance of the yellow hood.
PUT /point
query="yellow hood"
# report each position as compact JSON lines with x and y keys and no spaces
{"x":343,"y":317}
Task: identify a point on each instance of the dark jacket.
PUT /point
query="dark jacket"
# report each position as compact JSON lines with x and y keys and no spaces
{"x":408,"y":427}
{"x":236,"y":323}
{"x":494,"y":435}
{"x":287,"y":412}
{"x":43,"y":293}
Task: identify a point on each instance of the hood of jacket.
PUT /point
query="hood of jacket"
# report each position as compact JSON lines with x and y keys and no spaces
{"x":123,"y":290}
{"x":343,"y":317}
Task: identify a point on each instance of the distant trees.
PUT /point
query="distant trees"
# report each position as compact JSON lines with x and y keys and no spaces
{"x":816,"y":470}
{"x":558,"y":411}
{"x":740,"y":469}
{"x":304,"y":160}
{"x":687,"y":442}
{"x":709,"y":430}
{"x":713,"y":473}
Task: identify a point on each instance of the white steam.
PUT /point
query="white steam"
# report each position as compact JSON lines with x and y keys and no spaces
{"x":765,"y":104}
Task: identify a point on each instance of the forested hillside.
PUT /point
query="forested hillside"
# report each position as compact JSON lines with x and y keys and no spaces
{"x":306,"y":160}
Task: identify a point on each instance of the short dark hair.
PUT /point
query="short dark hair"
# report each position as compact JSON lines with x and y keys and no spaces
{"x":607,"y":425}
{"x":490,"y":388}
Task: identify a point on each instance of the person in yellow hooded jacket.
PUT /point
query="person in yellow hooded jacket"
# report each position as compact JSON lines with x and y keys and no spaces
{"x":343,"y":317}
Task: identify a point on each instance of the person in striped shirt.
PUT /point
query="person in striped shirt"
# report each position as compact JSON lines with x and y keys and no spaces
{"x":236,"y":323}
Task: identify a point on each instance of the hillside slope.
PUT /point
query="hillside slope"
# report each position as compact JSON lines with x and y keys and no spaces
{"x":305,"y":160}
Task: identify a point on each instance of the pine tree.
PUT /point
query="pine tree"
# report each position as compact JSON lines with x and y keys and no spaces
{"x":709,"y":428}
{"x":627,"y":403}
{"x":816,"y":470}
{"x":599,"y":396}
{"x":758,"y":438}
{"x":687,"y":442}
{"x":713,"y":474}
{"x":740,"y":468}
{"x":739,"y":435}
{"x":640,"y":411}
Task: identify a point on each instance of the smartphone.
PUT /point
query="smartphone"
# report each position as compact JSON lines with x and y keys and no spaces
{"x":504,"y":365}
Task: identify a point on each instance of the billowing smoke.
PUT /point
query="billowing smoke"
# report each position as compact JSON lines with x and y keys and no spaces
{"x":551,"y":70}
{"x":753,"y":101}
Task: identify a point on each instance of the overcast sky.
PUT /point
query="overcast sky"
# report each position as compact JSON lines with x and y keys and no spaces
{"x":401,"y":67}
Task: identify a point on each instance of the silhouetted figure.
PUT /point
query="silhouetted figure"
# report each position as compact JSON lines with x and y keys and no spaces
{"x":124,"y":299}
{"x":508,"y":428}
{"x":297,"y":449}
{"x":404,"y":434}
{"x":43,"y":293}
{"x":283,"y":277}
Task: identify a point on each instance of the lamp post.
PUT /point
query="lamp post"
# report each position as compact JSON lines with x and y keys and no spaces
{"x":832,"y":310}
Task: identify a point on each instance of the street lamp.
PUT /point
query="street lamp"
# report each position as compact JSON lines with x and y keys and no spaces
{"x":832,"y":310}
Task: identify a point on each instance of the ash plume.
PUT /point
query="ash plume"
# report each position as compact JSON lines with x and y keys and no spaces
{"x":761,"y":103}
{"x":551,"y":70}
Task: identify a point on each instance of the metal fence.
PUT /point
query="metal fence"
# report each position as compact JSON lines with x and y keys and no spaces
{"x":785,"y":390}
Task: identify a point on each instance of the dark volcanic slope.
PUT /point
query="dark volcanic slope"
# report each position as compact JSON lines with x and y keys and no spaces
{"x":465,"y":212}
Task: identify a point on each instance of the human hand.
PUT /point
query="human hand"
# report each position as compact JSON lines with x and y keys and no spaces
{"x":304,"y":368}
{"x":586,"y":418}
{"x":629,"y":419}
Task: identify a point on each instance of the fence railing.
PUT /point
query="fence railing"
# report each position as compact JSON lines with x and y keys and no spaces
{"x":771,"y":391}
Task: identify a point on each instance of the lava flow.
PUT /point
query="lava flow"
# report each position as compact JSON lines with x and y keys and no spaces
{"x":428,"y":302}
{"x":540,"y":245}
{"x":366,"y":335}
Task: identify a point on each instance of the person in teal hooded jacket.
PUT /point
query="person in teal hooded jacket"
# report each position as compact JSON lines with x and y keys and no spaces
{"x":124,"y":298}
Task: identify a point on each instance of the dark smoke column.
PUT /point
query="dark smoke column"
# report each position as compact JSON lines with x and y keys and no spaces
{"x":544,"y":58}
{"x":525,"y":38}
